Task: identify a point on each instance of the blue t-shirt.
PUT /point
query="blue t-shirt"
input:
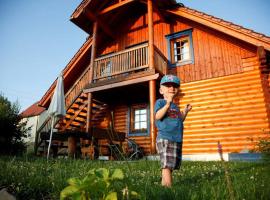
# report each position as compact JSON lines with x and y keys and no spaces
{"x":170,"y":127}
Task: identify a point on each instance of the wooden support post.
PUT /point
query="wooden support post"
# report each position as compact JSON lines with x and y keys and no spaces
{"x":153,"y":131}
{"x":91,"y":73}
{"x":152,"y":83}
{"x":150,"y":34}
{"x":72,"y":146}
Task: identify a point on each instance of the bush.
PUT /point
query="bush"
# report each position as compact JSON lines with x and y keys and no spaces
{"x":12,"y":131}
{"x":263,"y":146}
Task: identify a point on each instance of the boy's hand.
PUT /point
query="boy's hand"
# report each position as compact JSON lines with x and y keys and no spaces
{"x":169,"y":98}
{"x":188,"y":108}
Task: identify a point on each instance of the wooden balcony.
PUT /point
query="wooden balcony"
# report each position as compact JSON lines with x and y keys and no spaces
{"x":128,"y":61}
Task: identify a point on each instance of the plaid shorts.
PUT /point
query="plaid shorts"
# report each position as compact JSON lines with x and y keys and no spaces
{"x":170,"y":153}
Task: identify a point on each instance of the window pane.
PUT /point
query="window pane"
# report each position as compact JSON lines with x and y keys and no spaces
{"x":180,"y":49}
{"x":143,"y":118}
{"x":186,"y":56}
{"x":137,"y":112}
{"x":143,"y":111}
{"x":144,"y":125}
{"x":137,"y":125}
{"x":137,"y":118}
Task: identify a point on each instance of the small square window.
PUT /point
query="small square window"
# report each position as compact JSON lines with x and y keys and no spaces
{"x":138,"y":120}
{"x":180,"y":48}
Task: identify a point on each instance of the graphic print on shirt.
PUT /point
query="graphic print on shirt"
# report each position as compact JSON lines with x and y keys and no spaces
{"x":173,"y":113}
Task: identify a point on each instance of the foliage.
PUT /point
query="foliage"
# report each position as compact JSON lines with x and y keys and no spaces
{"x":12,"y":131}
{"x":35,"y":178}
{"x":98,"y":184}
{"x":263,"y":146}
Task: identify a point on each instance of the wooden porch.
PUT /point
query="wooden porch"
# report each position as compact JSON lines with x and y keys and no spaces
{"x":122,"y":68}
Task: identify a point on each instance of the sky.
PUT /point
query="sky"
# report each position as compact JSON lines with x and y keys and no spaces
{"x":37,"y":39}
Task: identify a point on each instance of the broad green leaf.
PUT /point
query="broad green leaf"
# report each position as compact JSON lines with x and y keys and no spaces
{"x":134,"y":194}
{"x":78,"y":196}
{"x":74,"y":181}
{"x":111,"y":196}
{"x":117,"y":174}
{"x":68,"y":191}
{"x":102,"y":173}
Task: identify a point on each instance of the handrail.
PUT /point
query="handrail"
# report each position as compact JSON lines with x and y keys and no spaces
{"x":77,"y":87}
{"x":161,"y":62}
{"x":121,"y":52}
{"x":132,"y":59}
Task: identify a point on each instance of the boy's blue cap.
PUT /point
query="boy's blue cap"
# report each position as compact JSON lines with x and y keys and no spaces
{"x":170,"y":79}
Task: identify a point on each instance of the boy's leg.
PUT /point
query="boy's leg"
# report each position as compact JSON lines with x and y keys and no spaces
{"x":166,"y":177}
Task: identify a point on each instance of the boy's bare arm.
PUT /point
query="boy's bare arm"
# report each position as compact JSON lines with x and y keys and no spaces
{"x":185,"y":112}
{"x":162,"y":111}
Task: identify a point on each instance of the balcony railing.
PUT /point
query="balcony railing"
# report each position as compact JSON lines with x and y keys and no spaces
{"x":129,"y":60}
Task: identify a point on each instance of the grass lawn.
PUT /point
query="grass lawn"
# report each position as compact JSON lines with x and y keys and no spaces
{"x":34,"y":178}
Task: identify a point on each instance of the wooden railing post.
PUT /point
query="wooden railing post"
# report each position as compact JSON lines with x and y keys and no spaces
{"x":152,"y":83}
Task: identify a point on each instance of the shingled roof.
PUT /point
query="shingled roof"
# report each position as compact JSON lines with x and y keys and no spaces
{"x":224,"y":26}
{"x":31,"y":111}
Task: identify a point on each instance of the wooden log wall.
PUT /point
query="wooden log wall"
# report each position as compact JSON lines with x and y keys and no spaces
{"x":223,"y":85}
{"x":215,"y":53}
{"x":229,"y":109}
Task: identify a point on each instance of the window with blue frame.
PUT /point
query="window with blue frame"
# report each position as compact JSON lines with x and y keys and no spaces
{"x":180,"y":48}
{"x":138,"y":120}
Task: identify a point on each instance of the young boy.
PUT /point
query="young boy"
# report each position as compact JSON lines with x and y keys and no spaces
{"x":169,"y":122}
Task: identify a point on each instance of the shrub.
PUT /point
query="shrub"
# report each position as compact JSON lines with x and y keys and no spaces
{"x":12,"y":131}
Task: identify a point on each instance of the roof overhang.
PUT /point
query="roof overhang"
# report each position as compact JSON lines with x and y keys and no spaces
{"x":69,"y":72}
{"x":108,"y":13}
{"x":225,"y":27}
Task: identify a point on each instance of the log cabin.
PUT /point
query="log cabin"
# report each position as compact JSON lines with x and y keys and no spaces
{"x":113,"y":79}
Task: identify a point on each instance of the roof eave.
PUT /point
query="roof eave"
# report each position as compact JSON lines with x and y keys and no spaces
{"x":231,"y":29}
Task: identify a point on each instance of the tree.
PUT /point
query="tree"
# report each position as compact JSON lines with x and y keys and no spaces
{"x":12,"y":131}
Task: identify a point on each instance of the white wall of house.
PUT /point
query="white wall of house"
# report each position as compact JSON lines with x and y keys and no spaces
{"x":32,"y":123}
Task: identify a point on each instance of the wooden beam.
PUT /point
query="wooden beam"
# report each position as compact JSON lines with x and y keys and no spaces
{"x":152,"y":100}
{"x":90,"y":98}
{"x":152,"y":83}
{"x":123,"y":83}
{"x":150,"y":34}
{"x":155,"y":7}
{"x":102,"y":25}
{"x":115,"y":6}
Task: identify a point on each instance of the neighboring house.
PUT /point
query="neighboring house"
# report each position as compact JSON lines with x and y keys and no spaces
{"x":223,"y":67}
{"x":31,"y":116}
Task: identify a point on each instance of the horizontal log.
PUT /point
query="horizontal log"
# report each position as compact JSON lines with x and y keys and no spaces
{"x":226,"y":128}
{"x":226,"y":109}
{"x":224,"y":138}
{"x":220,"y":89}
{"x":255,"y":86}
{"x":228,"y":133}
{"x":248,"y":122}
{"x":221,"y":81}
{"x":214,"y":150}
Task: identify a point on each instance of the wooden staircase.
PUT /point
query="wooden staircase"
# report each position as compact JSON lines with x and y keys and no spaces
{"x":75,"y":120}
